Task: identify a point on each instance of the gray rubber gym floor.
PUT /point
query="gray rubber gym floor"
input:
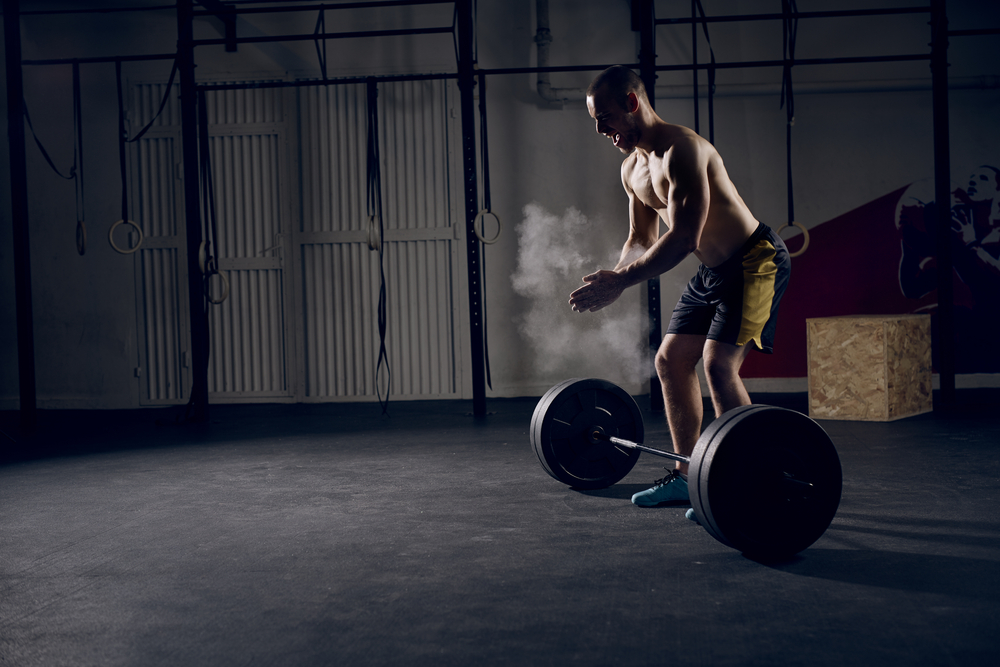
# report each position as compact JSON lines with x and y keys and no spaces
{"x":330,"y":535}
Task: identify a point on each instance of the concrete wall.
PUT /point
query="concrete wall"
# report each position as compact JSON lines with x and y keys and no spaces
{"x":850,"y":148}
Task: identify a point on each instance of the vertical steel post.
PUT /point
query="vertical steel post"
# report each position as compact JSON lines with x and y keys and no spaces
{"x":19,"y":215}
{"x":192,"y":214}
{"x":466,"y":86}
{"x":694,"y":69}
{"x":945,"y":340}
{"x":647,"y":72}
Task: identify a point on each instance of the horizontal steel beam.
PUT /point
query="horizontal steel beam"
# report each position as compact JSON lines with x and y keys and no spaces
{"x":101,"y":59}
{"x":301,"y":83}
{"x":321,"y":36}
{"x":97,"y":10}
{"x":796,"y":15}
{"x":321,"y":7}
{"x":796,"y":62}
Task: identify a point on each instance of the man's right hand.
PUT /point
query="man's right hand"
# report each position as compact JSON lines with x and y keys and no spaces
{"x":602,"y":289}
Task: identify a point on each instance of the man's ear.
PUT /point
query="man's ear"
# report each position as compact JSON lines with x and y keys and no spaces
{"x":633,"y":102}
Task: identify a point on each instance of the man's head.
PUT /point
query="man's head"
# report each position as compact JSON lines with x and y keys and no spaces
{"x":615,"y":100}
{"x":983,"y":183}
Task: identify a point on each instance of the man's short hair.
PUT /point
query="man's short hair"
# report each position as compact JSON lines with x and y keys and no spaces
{"x":619,"y":81}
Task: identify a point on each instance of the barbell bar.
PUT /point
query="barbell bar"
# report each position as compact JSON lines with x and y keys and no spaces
{"x":599,"y":434}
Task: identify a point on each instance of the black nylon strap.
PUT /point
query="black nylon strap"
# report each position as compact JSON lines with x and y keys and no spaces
{"x":375,"y":209}
{"x":78,"y":157}
{"x":38,"y":142}
{"x":122,"y":139}
{"x":204,"y":150}
{"x":163,"y":102}
{"x":790,"y":28}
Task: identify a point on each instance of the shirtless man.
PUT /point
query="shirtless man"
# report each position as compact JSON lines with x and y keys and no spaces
{"x":729,"y":306}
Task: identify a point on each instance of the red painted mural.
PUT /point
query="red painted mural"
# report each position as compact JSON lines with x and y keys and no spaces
{"x":879,"y":259}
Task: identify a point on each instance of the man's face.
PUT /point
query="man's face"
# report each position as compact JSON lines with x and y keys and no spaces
{"x":982,"y":185}
{"x":613,"y":121}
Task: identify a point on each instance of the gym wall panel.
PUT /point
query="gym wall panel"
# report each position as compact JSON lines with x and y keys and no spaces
{"x":414,"y":154}
{"x":155,"y":204}
{"x":249,"y":356}
{"x":247,"y":335}
{"x":333,"y":149}
{"x":340,"y":274}
{"x":340,"y":292}
{"x":327,"y":346}
{"x":420,"y":317}
{"x":162,"y":375}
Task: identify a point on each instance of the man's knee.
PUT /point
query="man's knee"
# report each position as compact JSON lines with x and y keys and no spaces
{"x":677,"y":354}
{"x":722,"y":364}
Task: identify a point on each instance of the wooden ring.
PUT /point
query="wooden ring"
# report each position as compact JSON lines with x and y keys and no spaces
{"x":805,"y":240}
{"x":374,"y":238}
{"x":111,"y":237}
{"x":477,"y":226}
{"x":225,"y":287}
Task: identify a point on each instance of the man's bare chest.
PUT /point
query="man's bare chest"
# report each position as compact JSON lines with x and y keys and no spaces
{"x":641,"y":180}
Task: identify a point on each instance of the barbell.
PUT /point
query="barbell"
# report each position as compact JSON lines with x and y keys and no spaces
{"x":761,"y":479}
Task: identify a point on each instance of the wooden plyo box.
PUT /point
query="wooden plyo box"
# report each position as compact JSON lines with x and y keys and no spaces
{"x":869,"y":367}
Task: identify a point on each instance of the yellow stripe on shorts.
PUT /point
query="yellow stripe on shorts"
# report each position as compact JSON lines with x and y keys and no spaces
{"x":759,"y":271}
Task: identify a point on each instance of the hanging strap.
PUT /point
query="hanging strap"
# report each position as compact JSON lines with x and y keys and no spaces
{"x":45,"y":153}
{"x":163,"y":102}
{"x":81,"y":227}
{"x":375,"y":218}
{"x":210,"y":244}
{"x":319,"y":30}
{"x":790,"y":28}
{"x":122,"y":140}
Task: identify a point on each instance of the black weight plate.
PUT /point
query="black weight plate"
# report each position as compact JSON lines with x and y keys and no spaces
{"x":765,"y":480}
{"x":562,"y":423}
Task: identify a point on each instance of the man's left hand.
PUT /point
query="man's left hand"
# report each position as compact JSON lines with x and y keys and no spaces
{"x":602,"y":289}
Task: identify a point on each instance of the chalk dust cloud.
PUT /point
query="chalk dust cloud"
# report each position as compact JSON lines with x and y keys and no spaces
{"x":554,"y":253}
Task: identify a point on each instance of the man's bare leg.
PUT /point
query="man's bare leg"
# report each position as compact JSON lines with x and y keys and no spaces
{"x":676,"y":361}
{"x":722,"y":370}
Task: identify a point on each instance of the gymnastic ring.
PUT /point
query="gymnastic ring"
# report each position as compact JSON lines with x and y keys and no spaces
{"x":111,"y":237}
{"x":477,"y":226}
{"x":81,"y":237}
{"x":374,"y":238}
{"x":225,"y":286}
{"x":805,"y":239}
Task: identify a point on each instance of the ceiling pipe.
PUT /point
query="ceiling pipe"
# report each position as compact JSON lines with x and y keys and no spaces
{"x":553,"y":97}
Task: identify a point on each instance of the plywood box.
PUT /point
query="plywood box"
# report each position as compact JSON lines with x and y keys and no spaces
{"x":869,"y":367}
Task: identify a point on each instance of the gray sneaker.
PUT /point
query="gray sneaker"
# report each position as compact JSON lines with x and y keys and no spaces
{"x":671,"y":489}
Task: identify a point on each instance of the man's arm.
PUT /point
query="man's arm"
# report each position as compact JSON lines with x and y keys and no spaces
{"x":644,"y":225}
{"x":686,"y":172}
{"x":686,"y":176}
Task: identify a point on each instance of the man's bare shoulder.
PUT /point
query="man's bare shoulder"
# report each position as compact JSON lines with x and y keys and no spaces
{"x":628,"y":165}
{"x":685,"y":152}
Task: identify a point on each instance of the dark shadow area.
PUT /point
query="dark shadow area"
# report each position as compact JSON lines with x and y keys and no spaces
{"x":967,"y":533}
{"x":81,"y":432}
{"x":916,"y":573}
